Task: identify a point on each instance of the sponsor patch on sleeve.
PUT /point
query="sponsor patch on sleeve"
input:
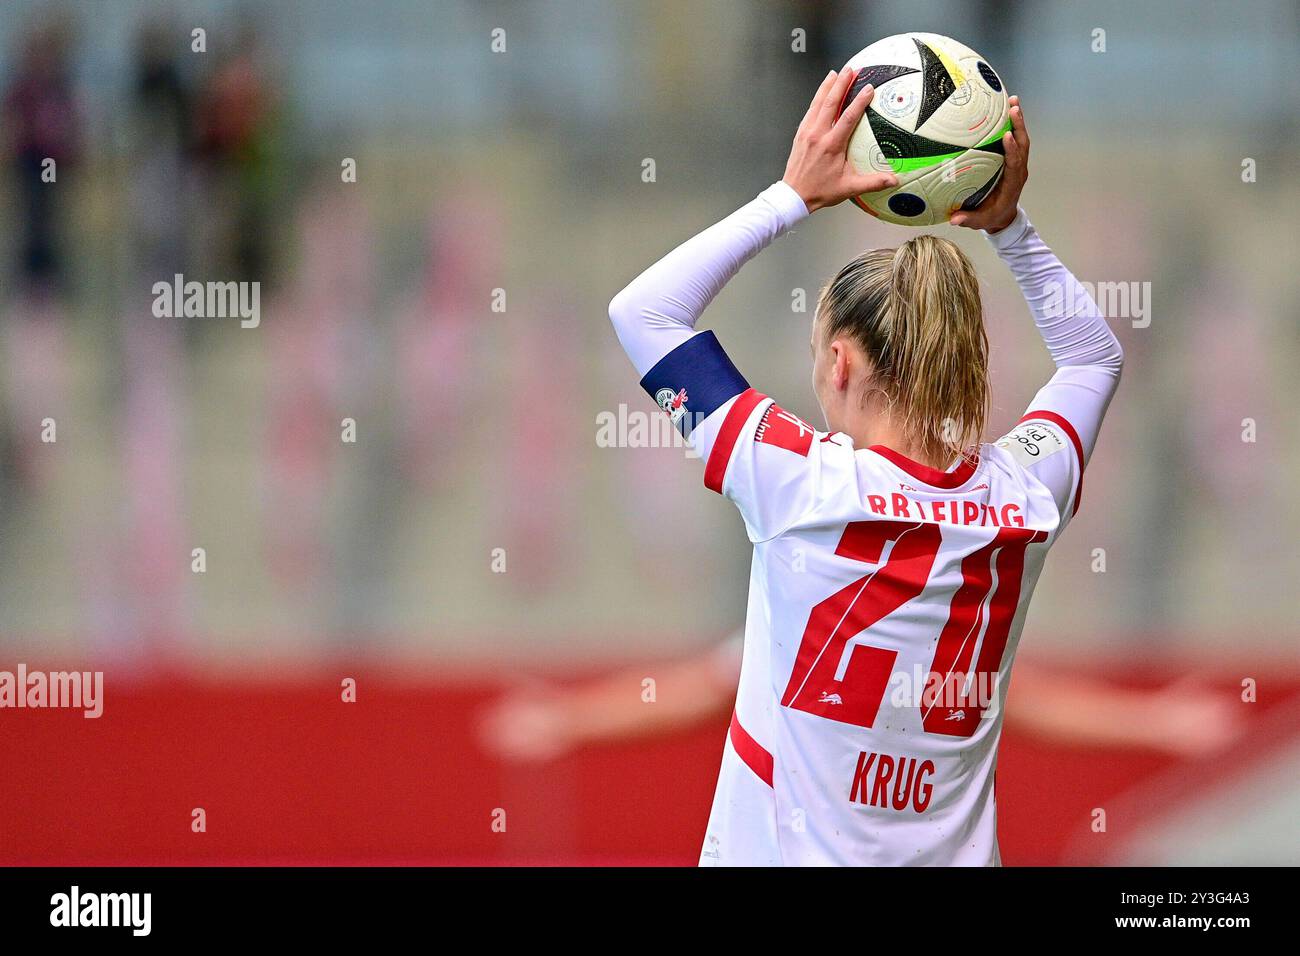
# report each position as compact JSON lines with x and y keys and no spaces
{"x":785,"y":430}
{"x":1031,"y":442}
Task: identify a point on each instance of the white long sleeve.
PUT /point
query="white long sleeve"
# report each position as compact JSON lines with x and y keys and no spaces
{"x":1088,"y":357}
{"x":658,"y":310}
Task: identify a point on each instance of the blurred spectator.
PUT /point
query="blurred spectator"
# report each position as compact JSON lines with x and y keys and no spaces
{"x":323,"y":317}
{"x":239,"y":130}
{"x":42,"y":124}
{"x":162,"y":138}
{"x":150,"y":609}
{"x":42,"y":138}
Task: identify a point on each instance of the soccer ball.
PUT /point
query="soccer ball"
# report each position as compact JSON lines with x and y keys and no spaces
{"x":936,"y":121}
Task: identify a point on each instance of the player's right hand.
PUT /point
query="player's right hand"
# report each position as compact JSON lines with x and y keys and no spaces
{"x":819,"y":169}
{"x":999,"y":207}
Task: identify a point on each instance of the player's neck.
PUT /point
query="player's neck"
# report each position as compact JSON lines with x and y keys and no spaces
{"x":879,"y":430}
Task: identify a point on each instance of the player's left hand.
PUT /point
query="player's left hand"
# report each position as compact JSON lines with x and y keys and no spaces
{"x":819,"y":168}
{"x":999,"y":207}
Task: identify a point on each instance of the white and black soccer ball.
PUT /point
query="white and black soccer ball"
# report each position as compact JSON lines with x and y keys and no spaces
{"x":936,"y":122}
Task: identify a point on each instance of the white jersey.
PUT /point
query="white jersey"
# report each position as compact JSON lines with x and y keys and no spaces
{"x":886,"y":602}
{"x":886,"y":598}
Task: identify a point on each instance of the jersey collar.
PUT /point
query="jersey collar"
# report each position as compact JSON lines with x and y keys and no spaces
{"x":930,"y":476}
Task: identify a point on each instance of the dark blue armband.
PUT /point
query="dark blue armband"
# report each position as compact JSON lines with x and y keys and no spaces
{"x":694,"y":380}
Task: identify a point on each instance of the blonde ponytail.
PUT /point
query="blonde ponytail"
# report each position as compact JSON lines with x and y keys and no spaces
{"x":916,"y":311}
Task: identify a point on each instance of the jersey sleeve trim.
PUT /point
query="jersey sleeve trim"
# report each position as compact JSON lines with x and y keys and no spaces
{"x":751,"y":752}
{"x":694,"y":380}
{"x":1058,"y":420}
{"x":930,"y":476}
{"x":716,"y":469}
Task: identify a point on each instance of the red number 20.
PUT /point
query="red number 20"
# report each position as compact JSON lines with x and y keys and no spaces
{"x":855,"y":697}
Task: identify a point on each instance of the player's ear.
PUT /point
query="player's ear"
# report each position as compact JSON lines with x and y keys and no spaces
{"x":843,"y":360}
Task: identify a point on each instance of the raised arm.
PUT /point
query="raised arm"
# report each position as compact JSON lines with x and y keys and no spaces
{"x":1065,"y":415}
{"x":1088,"y":357}
{"x":690,"y":376}
{"x":657,"y":312}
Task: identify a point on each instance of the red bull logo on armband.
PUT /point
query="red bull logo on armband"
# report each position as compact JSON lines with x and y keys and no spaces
{"x":672,"y":402}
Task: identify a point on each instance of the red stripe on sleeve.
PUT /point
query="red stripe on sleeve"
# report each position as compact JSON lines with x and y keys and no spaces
{"x":1056,"y":419}
{"x":750,"y":751}
{"x":720,"y":456}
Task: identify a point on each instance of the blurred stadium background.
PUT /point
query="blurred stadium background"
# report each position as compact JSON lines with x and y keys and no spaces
{"x":476,"y":429}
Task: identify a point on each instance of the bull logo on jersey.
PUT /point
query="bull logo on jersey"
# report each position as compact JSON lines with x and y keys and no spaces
{"x":830,"y":698}
{"x":778,"y":427}
{"x":674,"y":403}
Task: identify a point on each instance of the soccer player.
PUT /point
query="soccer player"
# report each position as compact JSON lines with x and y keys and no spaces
{"x":894,"y":553}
